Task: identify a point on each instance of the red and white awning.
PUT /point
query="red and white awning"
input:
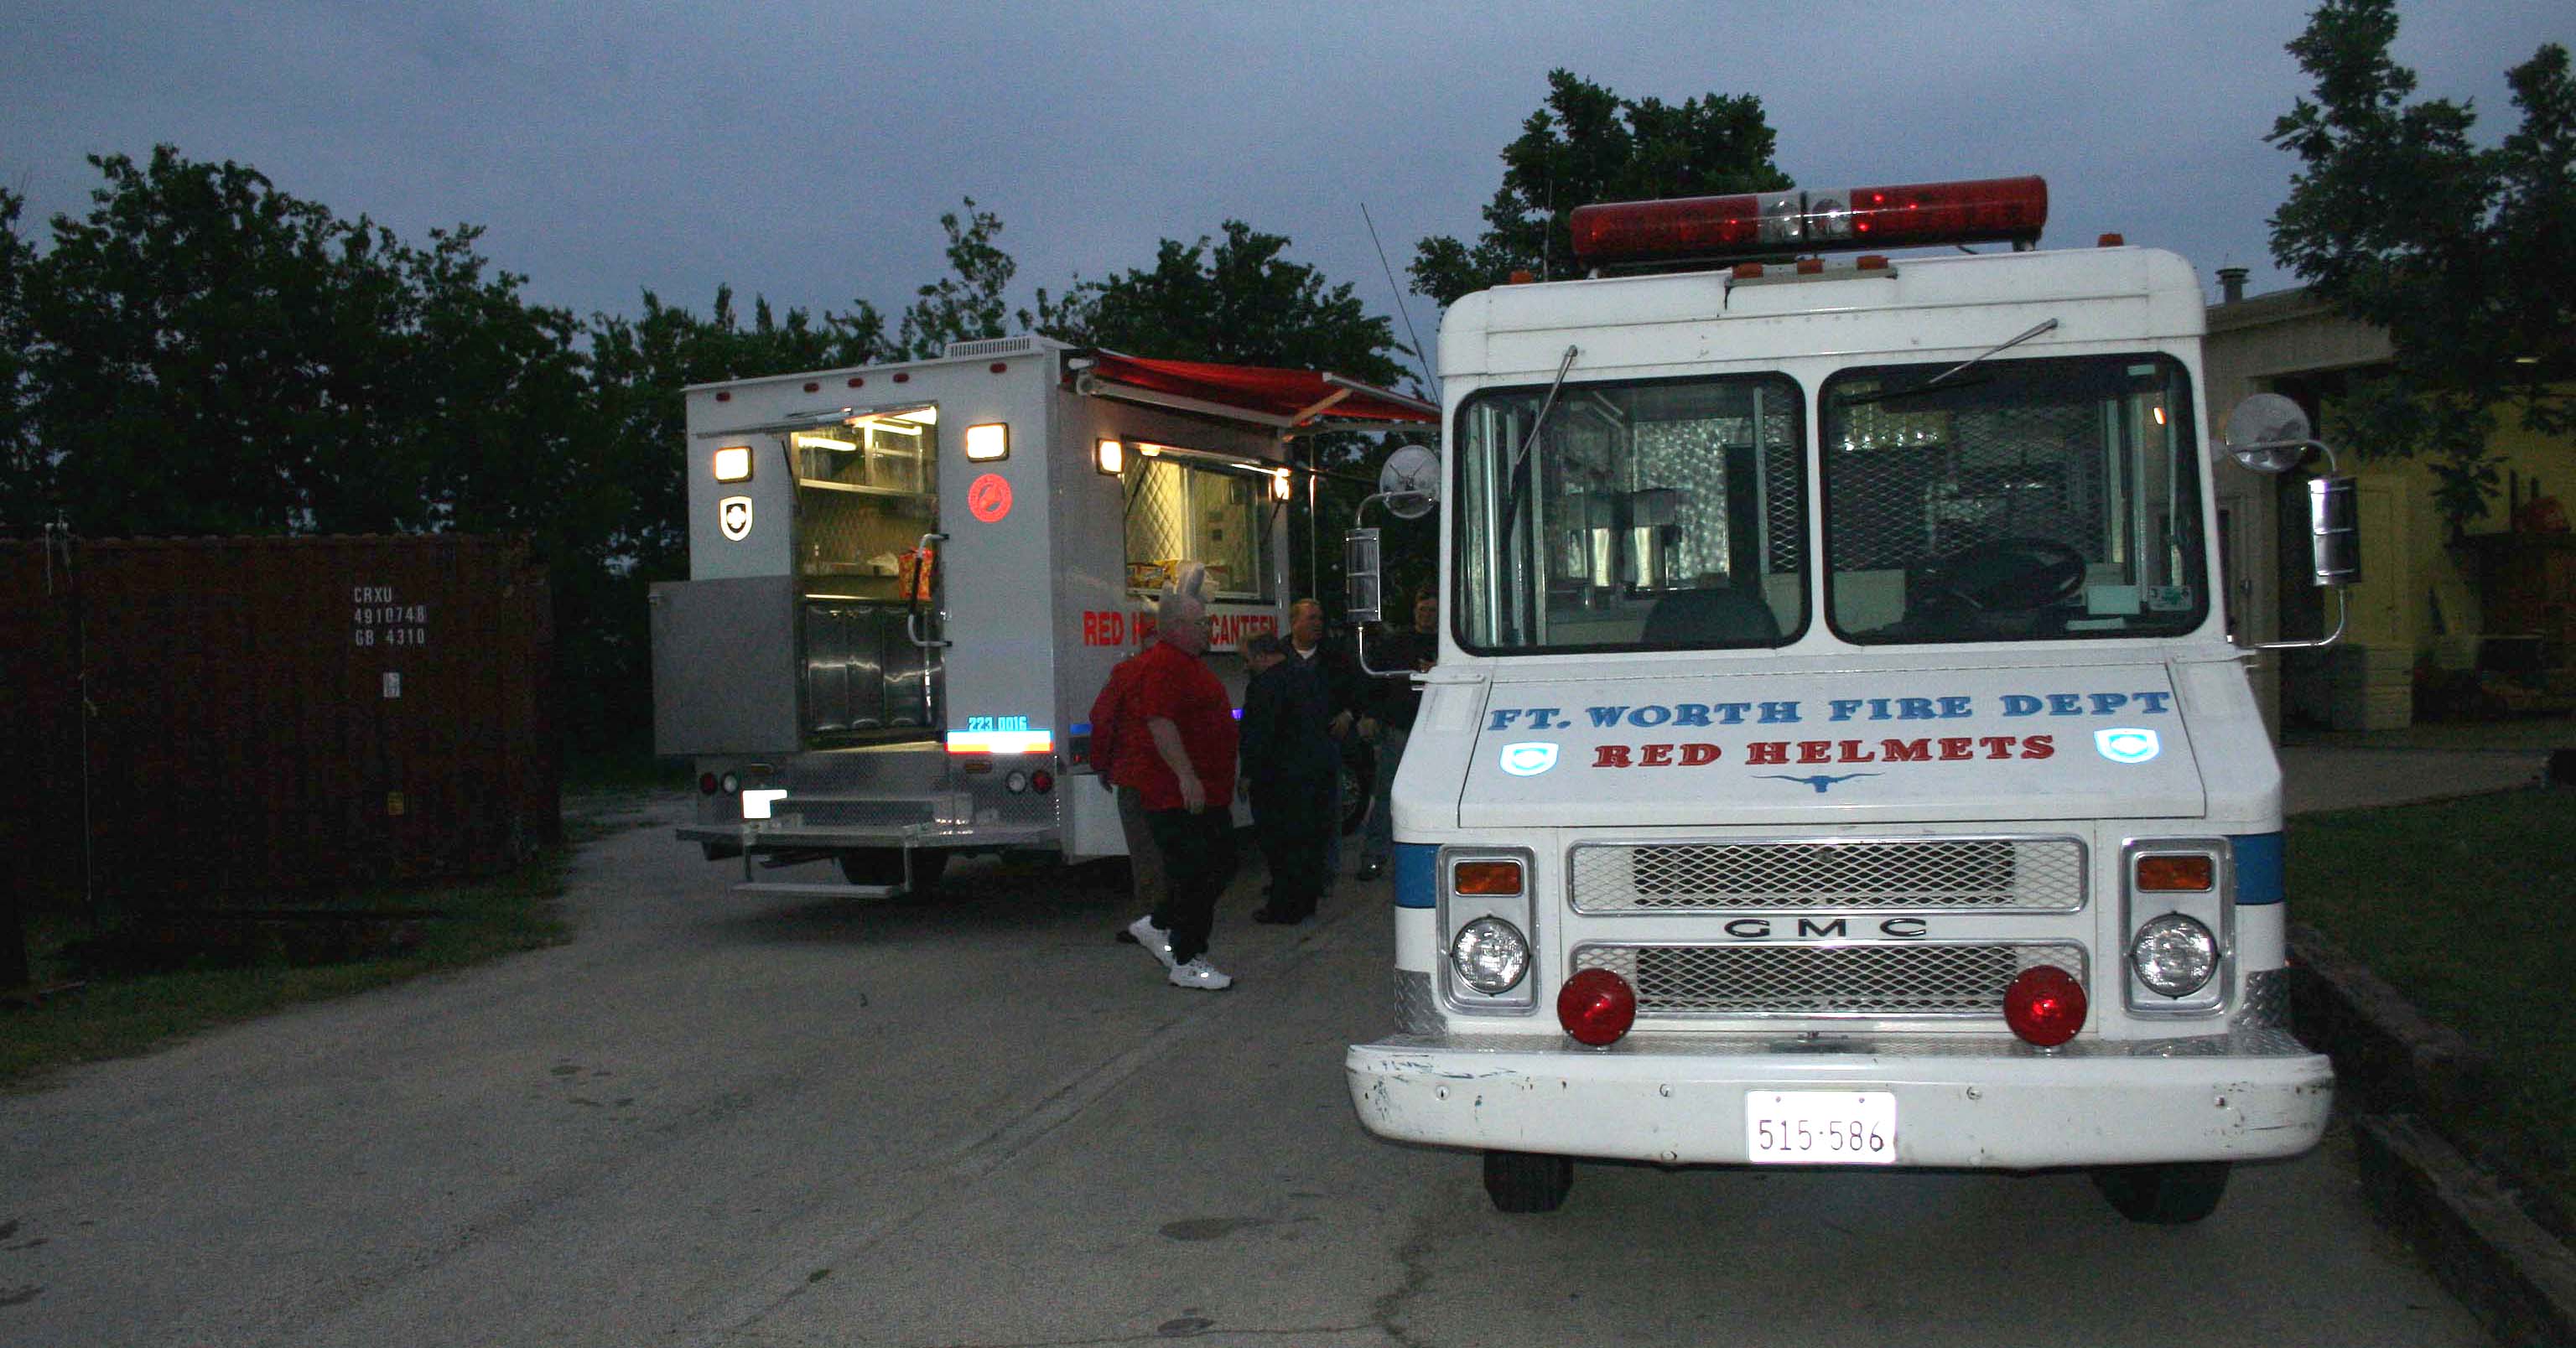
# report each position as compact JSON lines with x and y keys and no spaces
{"x":1290,"y":400}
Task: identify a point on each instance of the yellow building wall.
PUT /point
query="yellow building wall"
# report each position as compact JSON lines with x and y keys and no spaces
{"x":2429,"y":587}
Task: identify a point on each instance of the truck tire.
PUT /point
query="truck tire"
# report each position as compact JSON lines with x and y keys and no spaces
{"x":1521,"y":1181}
{"x":884,"y":866}
{"x":2176,"y":1193}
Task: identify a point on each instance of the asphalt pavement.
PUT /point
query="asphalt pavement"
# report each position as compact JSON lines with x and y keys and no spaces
{"x":723,"y":1119}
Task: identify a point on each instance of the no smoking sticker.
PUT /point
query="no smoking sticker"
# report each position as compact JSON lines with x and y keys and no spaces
{"x":988,"y":498}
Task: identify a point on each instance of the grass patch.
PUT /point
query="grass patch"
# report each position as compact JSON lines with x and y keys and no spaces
{"x":2462,"y":906}
{"x":116,"y":1014}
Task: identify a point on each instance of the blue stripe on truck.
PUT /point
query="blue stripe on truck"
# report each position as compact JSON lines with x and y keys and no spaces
{"x":2259,"y":867}
{"x":1417,"y":875}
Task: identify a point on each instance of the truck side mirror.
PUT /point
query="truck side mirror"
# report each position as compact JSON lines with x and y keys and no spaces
{"x":2334,"y":530}
{"x":2268,"y":433}
{"x":1360,"y":575}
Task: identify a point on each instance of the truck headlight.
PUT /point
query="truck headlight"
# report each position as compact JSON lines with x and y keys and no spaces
{"x":1490,"y":955}
{"x":2174,"y":954}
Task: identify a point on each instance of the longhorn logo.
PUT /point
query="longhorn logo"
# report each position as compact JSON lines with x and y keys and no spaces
{"x":1821,"y":781}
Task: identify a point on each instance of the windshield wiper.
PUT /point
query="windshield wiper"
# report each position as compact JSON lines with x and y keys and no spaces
{"x":2045,"y":325}
{"x":1512,"y":481}
{"x":1856,"y":399}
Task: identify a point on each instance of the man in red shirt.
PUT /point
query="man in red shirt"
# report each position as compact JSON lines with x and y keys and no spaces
{"x":1177,"y":748}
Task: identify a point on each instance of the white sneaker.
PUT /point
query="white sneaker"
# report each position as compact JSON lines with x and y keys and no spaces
{"x":1198,"y":973}
{"x":1157,"y":942}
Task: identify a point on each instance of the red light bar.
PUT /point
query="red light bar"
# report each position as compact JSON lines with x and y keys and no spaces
{"x":1985,"y":210}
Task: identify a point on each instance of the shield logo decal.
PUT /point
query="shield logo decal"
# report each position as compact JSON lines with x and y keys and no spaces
{"x":733,"y":515}
{"x":2126,"y":745}
{"x":1528,"y":759}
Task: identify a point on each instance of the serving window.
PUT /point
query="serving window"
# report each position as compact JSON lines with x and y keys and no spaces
{"x":1180,"y":511}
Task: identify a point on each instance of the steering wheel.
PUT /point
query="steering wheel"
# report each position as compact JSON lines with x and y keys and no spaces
{"x":2007,"y":575}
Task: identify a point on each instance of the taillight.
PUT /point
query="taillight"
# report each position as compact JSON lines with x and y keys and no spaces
{"x":1042,"y":781}
{"x":706,"y":783}
{"x":1596,"y":1006}
{"x":2045,"y":1005}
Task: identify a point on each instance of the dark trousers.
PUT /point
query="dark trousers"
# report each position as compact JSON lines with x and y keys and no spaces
{"x":1198,"y":863}
{"x":1296,"y":822}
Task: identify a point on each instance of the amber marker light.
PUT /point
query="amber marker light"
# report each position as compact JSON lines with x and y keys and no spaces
{"x":1487,"y":879}
{"x":2168,"y":874}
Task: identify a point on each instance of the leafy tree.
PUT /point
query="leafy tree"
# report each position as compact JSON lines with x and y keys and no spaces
{"x":1234,"y":300}
{"x":1586,"y":144}
{"x":2462,"y":254}
{"x":968,"y":304}
{"x":207,"y":354}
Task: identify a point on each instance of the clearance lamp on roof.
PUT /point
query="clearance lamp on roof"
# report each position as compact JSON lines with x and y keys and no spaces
{"x":733,"y":463}
{"x":988,"y":442}
{"x":1110,"y":457}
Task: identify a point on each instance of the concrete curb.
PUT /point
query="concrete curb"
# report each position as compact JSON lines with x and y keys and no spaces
{"x":2393,"y":1067}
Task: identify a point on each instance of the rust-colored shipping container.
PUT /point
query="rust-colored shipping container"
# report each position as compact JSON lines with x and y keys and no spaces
{"x":270,"y":720}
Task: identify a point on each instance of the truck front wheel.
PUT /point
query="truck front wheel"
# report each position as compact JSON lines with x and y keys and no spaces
{"x":1520,"y":1181}
{"x":2176,"y":1193}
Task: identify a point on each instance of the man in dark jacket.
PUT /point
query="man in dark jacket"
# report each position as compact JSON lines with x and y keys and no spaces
{"x":1345,"y":690}
{"x":1289,"y":757}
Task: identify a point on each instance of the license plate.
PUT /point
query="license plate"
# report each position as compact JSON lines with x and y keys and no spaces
{"x":1820,"y":1127}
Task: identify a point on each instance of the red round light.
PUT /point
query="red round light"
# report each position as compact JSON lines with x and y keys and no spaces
{"x":1596,"y":1006}
{"x":706,"y":783}
{"x":1042,"y":781}
{"x":2045,"y":1005}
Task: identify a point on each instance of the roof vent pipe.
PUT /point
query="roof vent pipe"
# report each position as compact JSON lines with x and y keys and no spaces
{"x":2231,"y":284}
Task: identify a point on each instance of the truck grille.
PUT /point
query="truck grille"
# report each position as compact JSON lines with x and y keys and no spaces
{"x":2040,"y":874}
{"x":1812,"y":980}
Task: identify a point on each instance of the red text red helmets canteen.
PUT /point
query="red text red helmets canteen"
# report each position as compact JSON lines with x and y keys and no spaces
{"x":1800,"y":220}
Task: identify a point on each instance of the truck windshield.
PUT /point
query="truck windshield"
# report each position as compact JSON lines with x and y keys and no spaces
{"x":2013,"y":500}
{"x":1647,"y":515}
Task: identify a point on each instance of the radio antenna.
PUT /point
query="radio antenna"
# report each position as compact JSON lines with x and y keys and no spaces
{"x":1429,"y":384}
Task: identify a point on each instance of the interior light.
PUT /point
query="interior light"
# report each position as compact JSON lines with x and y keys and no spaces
{"x":1280,"y":489}
{"x":816,"y":440}
{"x":1110,"y":457}
{"x":988,"y":442}
{"x":1150,"y":451}
{"x":733,"y":463}
{"x":927,"y":416}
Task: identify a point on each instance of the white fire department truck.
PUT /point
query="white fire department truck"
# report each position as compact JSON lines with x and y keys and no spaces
{"x":908,"y":581}
{"x":1835,"y":755}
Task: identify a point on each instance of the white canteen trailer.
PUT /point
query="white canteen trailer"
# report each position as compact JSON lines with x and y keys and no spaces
{"x":1836,"y":755}
{"x":908,"y":581}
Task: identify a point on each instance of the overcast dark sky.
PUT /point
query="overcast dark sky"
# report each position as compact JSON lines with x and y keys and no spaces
{"x":805,"y":151}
